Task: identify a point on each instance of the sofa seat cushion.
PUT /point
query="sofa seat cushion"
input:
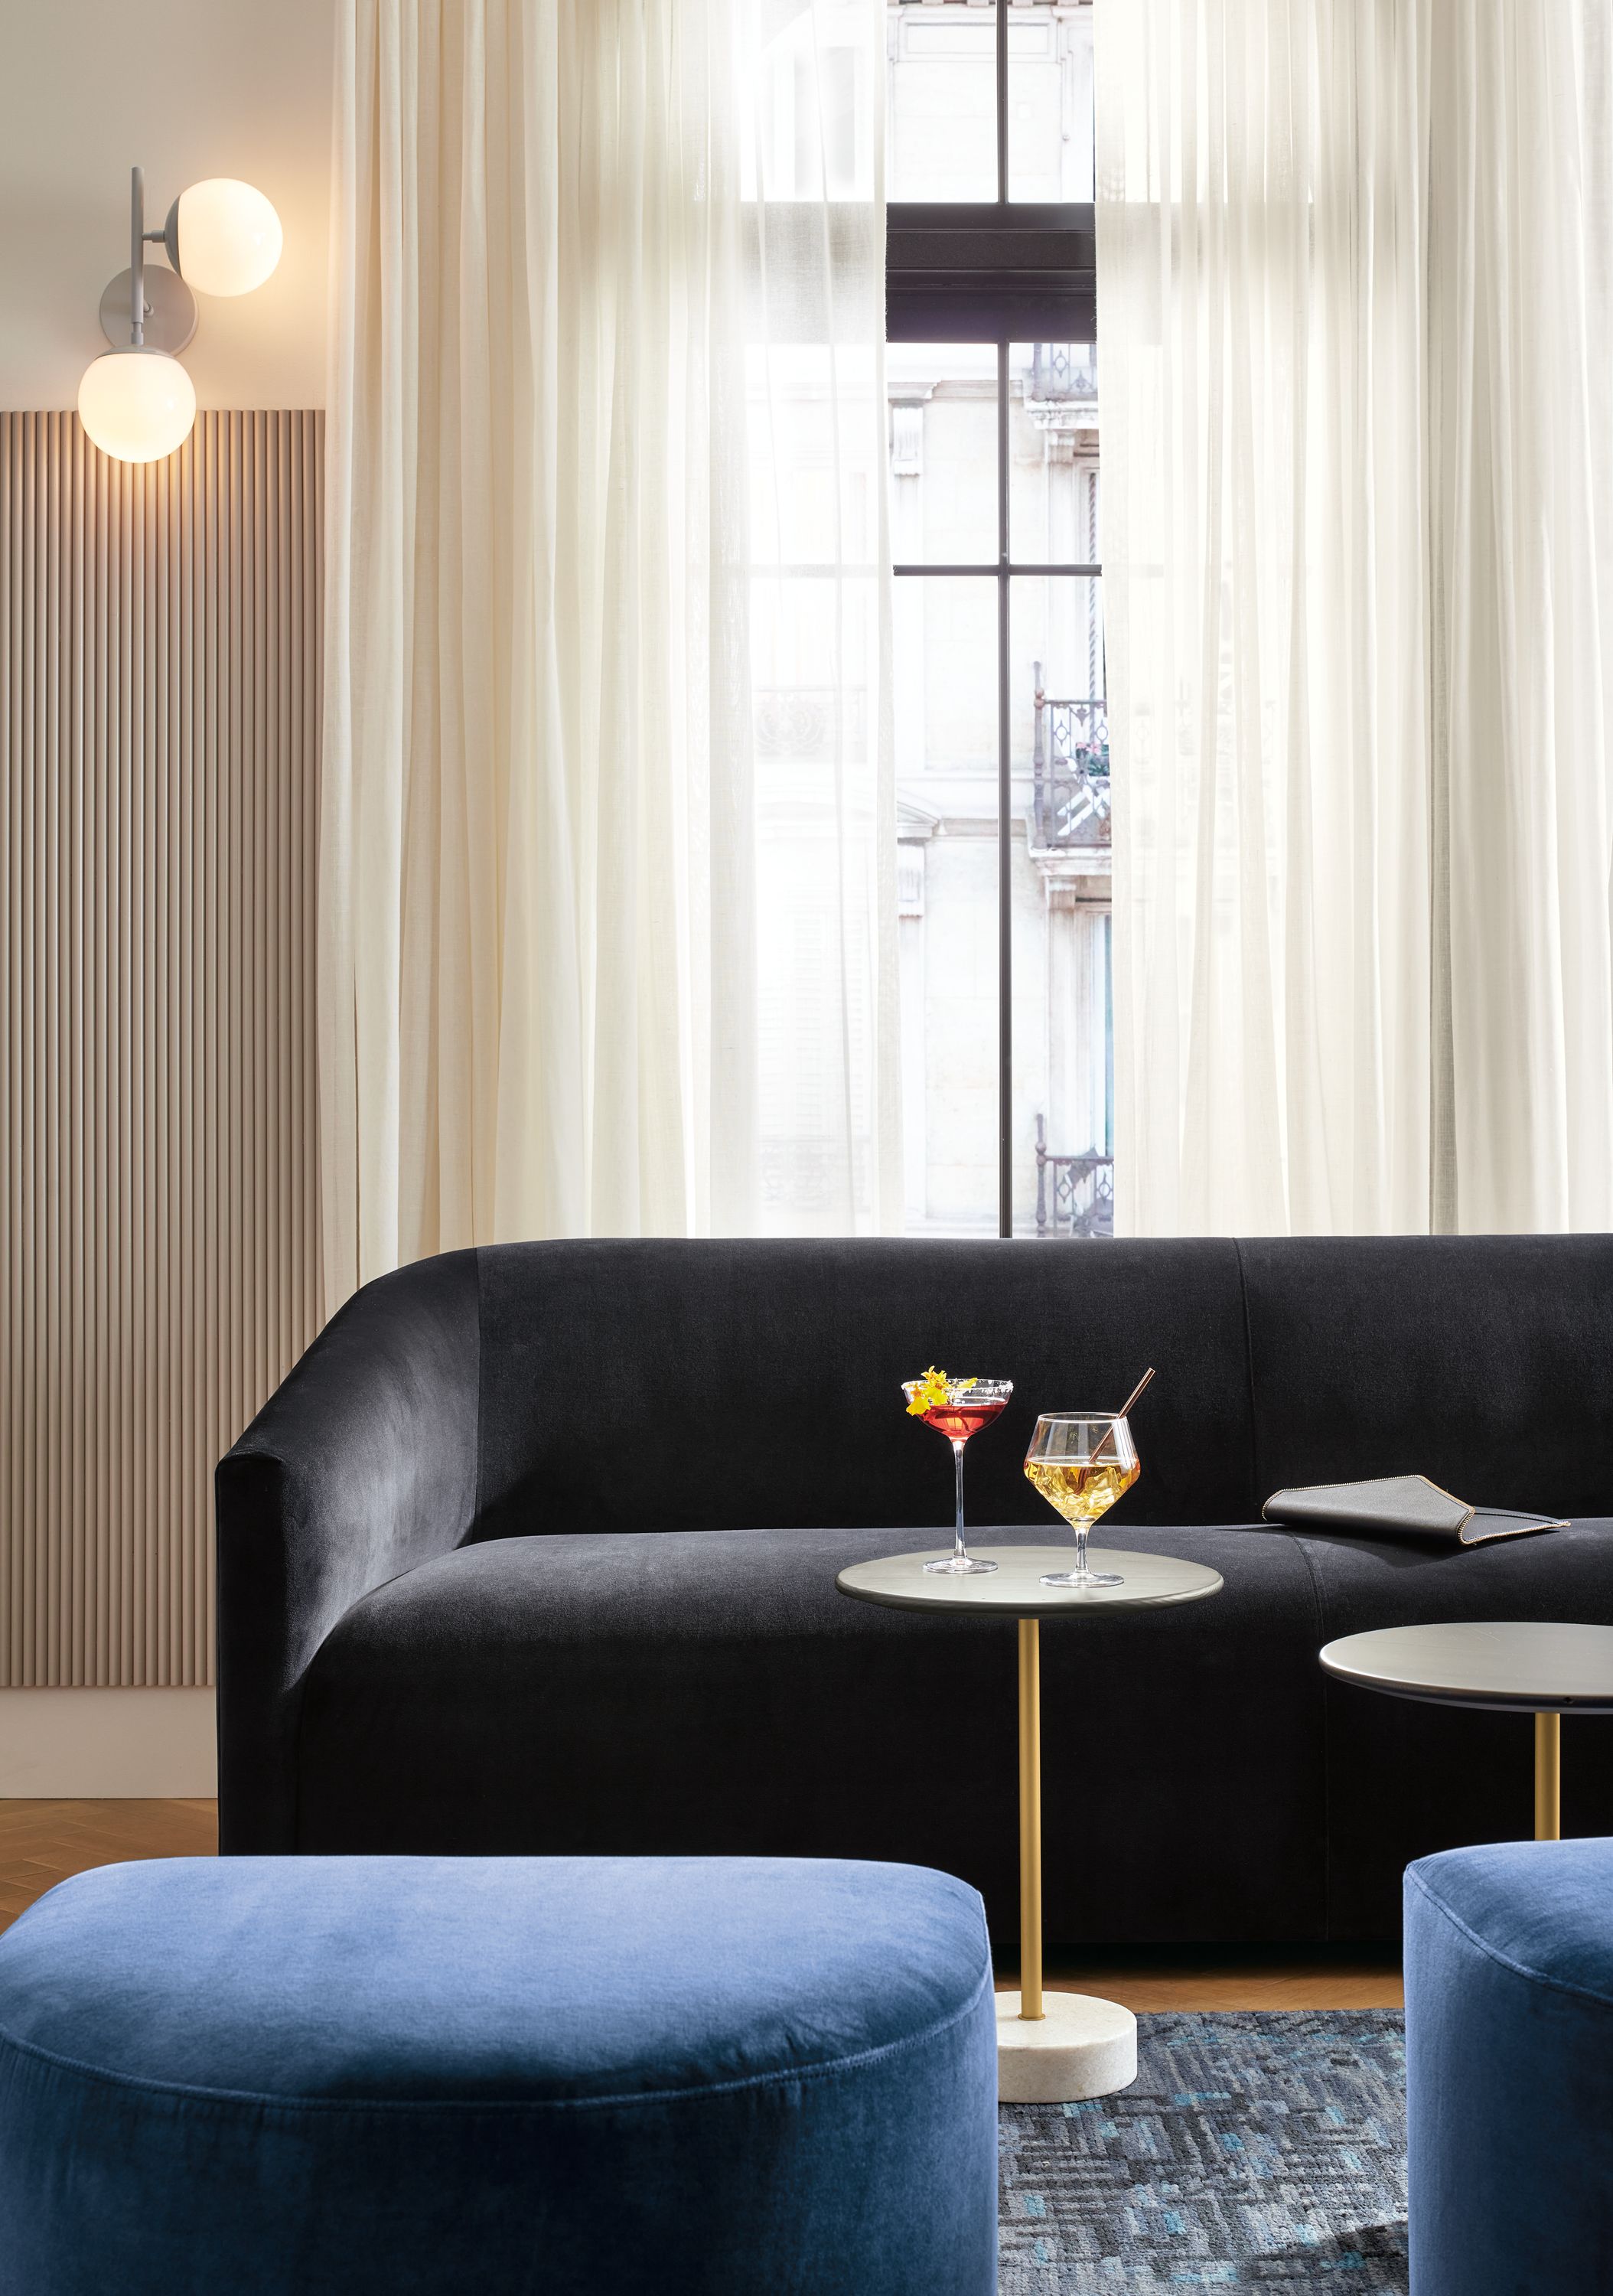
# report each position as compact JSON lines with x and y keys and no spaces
{"x":356,"y":2074}
{"x":712,"y":1691}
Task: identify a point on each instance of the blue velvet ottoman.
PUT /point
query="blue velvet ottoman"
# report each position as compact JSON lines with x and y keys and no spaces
{"x":605,"y":2075}
{"x":1509,"y":2026}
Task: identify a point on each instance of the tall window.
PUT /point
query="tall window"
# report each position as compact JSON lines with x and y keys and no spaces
{"x":998,"y":673}
{"x":990,"y":684}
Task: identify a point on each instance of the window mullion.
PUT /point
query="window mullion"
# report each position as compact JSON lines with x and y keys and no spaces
{"x":1005,"y":1025}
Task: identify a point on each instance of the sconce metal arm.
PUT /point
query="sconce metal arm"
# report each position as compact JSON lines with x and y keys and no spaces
{"x":157,"y":306}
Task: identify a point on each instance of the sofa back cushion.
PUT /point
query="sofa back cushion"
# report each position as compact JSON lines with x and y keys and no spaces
{"x":678,"y":1386}
{"x":1483,"y":1362}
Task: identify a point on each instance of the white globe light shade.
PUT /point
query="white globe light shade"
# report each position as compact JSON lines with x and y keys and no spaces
{"x":137,"y":405}
{"x":228,"y":237}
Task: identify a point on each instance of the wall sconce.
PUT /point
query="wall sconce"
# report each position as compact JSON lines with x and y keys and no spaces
{"x":137,"y":401}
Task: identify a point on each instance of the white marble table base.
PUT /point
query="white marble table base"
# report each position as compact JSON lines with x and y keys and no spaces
{"x":1052,"y":2047}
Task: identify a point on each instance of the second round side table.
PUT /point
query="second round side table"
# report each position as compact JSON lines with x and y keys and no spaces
{"x":1507,"y":1666}
{"x":1052,"y":2048}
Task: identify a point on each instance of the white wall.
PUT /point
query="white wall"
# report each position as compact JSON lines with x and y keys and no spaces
{"x":184,"y":88}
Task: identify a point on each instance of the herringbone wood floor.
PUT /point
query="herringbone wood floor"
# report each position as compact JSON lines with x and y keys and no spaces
{"x":41,"y":1842}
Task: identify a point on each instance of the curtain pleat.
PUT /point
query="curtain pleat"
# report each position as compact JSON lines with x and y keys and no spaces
{"x":1521,"y":524}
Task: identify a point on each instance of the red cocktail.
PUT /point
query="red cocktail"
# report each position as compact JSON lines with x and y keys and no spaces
{"x":957,"y":1408}
{"x":959,"y":1420}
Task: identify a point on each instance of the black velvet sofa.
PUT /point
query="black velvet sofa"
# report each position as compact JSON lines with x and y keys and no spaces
{"x":535,"y":1551}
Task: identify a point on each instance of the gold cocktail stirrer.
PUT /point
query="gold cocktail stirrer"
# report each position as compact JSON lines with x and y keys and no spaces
{"x":1125,"y":1410}
{"x":1123,"y":1413}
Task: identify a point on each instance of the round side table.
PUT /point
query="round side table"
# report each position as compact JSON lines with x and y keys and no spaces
{"x":1052,"y":2048}
{"x":1508,"y":1666}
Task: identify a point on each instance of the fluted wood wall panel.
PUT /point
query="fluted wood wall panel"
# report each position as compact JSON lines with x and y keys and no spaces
{"x":160,"y":646}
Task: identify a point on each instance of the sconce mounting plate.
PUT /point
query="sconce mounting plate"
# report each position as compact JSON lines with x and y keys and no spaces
{"x":171,"y":310}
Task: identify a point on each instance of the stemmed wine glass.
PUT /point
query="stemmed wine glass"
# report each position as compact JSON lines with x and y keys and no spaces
{"x":957,"y":1408}
{"x":1082,"y":1461}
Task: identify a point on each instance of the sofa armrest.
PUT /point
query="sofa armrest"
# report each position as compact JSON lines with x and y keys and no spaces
{"x":360,"y":1466}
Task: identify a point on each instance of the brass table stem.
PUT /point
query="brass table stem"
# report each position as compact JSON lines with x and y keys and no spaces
{"x":1030,"y":1818}
{"x":1548,"y":1777}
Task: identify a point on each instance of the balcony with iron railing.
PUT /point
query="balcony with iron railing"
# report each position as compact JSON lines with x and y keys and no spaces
{"x":1062,"y":372}
{"x":1075,"y":1194}
{"x":1070,"y":772}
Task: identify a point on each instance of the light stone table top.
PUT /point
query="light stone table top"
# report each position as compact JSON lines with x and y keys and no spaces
{"x":1525,"y":1665}
{"x":1015,"y":1587}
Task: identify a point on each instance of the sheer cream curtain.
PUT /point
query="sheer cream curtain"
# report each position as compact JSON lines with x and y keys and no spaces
{"x":829,"y":1083}
{"x":1520,"y":274}
{"x":548,"y":994}
{"x":1353,"y":280}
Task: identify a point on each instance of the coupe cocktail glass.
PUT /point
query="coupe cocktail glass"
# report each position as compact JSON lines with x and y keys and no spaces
{"x":959,"y":1408}
{"x":1082,"y":1461}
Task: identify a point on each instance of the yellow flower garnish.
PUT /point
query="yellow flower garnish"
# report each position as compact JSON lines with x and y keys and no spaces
{"x":933,"y":1389}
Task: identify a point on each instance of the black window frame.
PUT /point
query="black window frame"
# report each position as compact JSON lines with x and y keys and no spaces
{"x":994,"y":271}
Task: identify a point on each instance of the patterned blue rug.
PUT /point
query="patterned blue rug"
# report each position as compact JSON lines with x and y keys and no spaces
{"x":1257,"y":2150}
